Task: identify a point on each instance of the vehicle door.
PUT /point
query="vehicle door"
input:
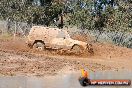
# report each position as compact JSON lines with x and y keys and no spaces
{"x":59,"y":41}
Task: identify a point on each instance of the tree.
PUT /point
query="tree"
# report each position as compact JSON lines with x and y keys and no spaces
{"x":26,"y":11}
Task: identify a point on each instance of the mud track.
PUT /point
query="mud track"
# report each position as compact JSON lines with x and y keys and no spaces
{"x":17,"y":59}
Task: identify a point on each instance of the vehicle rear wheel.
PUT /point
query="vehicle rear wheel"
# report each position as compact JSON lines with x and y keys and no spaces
{"x":77,"y":49}
{"x":38,"y":46}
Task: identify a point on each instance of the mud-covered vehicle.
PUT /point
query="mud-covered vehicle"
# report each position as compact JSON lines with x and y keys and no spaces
{"x":41,"y":38}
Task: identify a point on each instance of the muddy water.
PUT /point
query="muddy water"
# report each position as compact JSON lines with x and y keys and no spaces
{"x":65,"y":80}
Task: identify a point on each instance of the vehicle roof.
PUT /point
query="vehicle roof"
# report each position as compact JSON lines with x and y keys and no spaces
{"x":48,"y":28}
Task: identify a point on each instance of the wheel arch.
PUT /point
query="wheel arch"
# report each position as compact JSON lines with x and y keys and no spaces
{"x":77,"y":45}
{"x":38,"y":41}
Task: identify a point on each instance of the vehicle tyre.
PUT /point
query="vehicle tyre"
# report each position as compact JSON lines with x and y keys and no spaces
{"x":38,"y":46}
{"x":77,"y":49}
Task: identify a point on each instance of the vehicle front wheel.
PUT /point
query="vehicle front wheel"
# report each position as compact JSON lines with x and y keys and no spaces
{"x":38,"y":46}
{"x":76,"y":49}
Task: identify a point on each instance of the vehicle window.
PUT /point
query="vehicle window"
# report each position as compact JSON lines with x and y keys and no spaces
{"x":67,"y":35}
{"x":61,"y":34}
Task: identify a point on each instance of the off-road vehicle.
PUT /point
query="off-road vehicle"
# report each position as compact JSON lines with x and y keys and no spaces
{"x":41,"y":38}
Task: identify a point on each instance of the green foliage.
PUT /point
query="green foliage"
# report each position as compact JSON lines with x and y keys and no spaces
{"x":25,"y":11}
{"x":81,"y":17}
